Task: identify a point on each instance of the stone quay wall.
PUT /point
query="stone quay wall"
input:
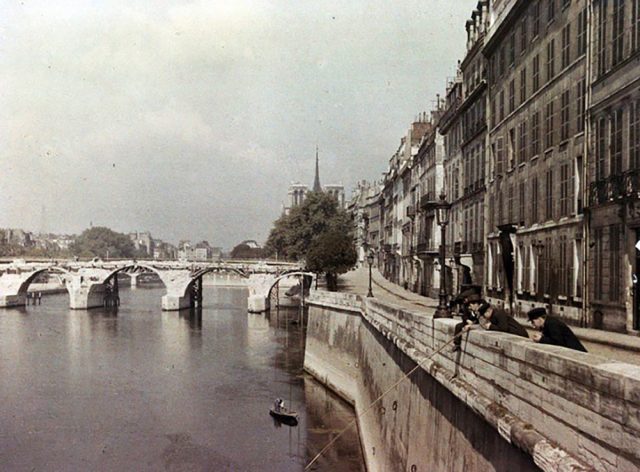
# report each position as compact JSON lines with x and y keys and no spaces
{"x":502,"y":403}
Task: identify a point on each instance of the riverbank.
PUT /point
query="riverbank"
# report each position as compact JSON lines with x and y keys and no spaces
{"x":502,"y":403}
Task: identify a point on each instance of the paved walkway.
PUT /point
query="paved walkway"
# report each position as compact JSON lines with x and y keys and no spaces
{"x":621,"y":347}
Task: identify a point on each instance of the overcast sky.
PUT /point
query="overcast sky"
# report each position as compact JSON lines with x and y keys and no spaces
{"x":190,"y":119}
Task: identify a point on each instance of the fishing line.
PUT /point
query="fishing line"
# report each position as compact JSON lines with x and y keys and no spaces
{"x":324,"y":449}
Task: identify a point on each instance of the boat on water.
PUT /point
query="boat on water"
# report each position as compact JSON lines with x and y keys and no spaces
{"x":284,"y":416}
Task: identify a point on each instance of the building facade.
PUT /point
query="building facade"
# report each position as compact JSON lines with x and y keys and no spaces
{"x":536,"y":55}
{"x":613,"y":167}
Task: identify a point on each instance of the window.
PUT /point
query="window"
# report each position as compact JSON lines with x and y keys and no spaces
{"x":512,"y":49}
{"x":566,"y":190}
{"x":501,"y":54}
{"x":618,"y":31}
{"x":548,"y":213}
{"x":615,"y":266}
{"x":512,"y":148}
{"x":582,"y":31}
{"x":522,"y":142}
{"x":510,"y":204}
{"x":562,"y":265}
{"x":526,"y":269}
{"x":566,"y":50}
{"x":512,"y":95}
{"x":580,"y":106}
{"x":616,"y":142}
{"x":601,"y":148}
{"x":523,"y":85}
{"x":551,"y":52}
{"x":501,"y":106}
{"x":551,"y":10}
{"x":602,"y":37}
{"x":535,"y":134}
{"x":577,"y":186}
{"x":565,"y":3}
{"x":523,"y":35}
{"x":634,"y":135}
{"x":521,"y":198}
{"x":499,"y":155}
{"x":577,"y":257}
{"x":534,"y":199}
{"x":494,"y":117}
{"x":564,"y":116}
{"x":549,"y":131}
{"x":635,"y":25}
{"x":535,"y":19}
{"x":598,"y":270}
{"x":536,"y":73}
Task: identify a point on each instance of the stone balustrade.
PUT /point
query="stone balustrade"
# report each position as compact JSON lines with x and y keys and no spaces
{"x":565,"y":409}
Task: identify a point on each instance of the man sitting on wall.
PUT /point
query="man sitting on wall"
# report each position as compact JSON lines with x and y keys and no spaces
{"x":494,"y":319}
{"x":553,"y":330}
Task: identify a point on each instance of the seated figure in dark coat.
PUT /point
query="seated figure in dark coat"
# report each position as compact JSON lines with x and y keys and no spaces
{"x":468,"y":317}
{"x":553,"y":330}
{"x":496,"y":319}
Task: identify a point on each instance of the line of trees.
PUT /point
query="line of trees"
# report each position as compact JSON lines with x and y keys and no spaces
{"x":317,"y":232}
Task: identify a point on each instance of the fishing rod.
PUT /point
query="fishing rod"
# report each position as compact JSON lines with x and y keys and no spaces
{"x":405,"y":376}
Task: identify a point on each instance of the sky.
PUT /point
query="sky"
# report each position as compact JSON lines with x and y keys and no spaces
{"x":190,"y":119}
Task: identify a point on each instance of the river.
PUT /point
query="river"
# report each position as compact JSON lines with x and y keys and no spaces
{"x":143,"y":389}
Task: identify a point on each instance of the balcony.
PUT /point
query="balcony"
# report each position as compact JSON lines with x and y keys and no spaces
{"x":615,"y":188}
{"x":426,"y":200}
{"x":425,"y":248}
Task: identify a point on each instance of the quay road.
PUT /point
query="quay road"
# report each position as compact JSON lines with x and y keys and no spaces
{"x":621,"y":347}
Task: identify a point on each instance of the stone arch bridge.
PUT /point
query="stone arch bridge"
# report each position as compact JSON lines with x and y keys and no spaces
{"x":95,"y":283}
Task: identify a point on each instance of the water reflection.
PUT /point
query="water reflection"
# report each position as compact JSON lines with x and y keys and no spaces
{"x":141,"y":389}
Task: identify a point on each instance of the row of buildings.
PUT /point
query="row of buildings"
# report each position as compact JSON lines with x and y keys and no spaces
{"x":536,"y":148}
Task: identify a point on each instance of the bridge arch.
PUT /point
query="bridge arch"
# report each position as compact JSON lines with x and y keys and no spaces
{"x":148,"y":267}
{"x":24,"y":286}
{"x":288,"y":274}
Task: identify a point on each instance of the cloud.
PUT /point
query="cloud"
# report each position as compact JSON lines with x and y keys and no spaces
{"x":189,"y":119}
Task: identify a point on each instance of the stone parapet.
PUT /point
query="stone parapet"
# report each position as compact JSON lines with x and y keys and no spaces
{"x":566,"y":409}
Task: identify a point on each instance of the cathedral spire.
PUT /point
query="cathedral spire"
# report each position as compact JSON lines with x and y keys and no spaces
{"x":316,"y":183}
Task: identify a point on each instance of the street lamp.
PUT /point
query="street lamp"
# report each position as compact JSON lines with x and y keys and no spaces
{"x":370,"y":262}
{"x":442,"y":217}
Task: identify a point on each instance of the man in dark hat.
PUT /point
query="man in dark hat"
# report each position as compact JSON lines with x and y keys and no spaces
{"x":468,"y":317}
{"x":553,"y":330}
{"x":496,"y":319}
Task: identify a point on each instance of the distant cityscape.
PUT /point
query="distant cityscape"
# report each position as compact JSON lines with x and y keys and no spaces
{"x":16,"y":242}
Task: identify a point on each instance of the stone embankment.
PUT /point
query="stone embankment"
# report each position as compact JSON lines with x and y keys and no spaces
{"x":502,"y":403}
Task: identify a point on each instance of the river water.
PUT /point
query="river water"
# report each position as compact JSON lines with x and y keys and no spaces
{"x":143,"y":389}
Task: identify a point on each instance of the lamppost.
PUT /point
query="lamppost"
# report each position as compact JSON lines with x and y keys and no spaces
{"x":442,"y":217}
{"x":370,"y":262}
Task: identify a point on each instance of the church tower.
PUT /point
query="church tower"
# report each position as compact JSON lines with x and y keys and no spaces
{"x":316,"y":183}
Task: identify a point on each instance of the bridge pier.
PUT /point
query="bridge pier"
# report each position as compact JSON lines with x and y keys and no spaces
{"x":134,"y":280}
{"x":7,"y":301}
{"x":258,"y":304}
{"x":176,"y":302}
{"x":86,"y":296}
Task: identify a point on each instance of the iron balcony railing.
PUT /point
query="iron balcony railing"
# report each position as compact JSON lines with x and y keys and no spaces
{"x":615,"y":187}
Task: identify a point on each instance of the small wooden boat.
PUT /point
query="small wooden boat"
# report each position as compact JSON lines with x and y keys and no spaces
{"x":284,"y":415}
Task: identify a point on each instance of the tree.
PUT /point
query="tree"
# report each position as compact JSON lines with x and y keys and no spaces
{"x":333,"y":253}
{"x":103,"y":242}
{"x":244,"y":251}
{"x":319,"y":225}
